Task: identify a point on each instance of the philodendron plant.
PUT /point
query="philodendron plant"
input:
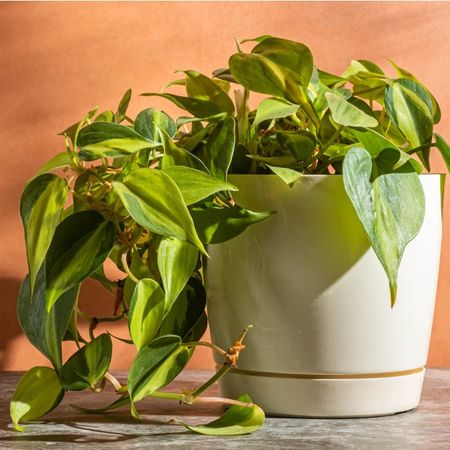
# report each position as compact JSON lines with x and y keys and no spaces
{"x":149,"y":194}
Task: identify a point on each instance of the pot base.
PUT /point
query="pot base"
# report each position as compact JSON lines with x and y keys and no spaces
{"x":286,"y":395}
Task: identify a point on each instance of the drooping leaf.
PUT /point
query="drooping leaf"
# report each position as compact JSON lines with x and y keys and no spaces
{"x":105,"y":139}
{"x":436,"y":111}
{"x":218,"y":151}
{"x":196,"y":185}
{"x":273,"y":108}
{"x":187,"y":312}
{"x":236,"y":421}
{"x":123,"y":105}
{"x":289,"y":176}
{"x":444,"y":148}
{"x":87,"y":367}
{"x":79,"y":247}
{"x":155,"y":202}
{"x":121,"y":401}
{"x":41,"y":207}
{"x":203,"y":88}
{"x":215,"y":225}
{"x":155,"y":366}
{"x":346,"y":114}
{"x":391,"y":209}
{"x":37,"y":393}
{"x":59,"y":161}
{"x":407,"y":107}
{"x":176,"y":263}
{"x":195,"y":106}
{"x":146,"y":311}
{"x":177,"y":156}
{"x":149,"y":121}
{"x":45,"y":329}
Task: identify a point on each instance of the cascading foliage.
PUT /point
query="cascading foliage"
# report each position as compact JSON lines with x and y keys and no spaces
{"x":149,"y":194}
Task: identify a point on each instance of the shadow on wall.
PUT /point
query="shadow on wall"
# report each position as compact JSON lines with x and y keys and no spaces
{"x":9,"y":287}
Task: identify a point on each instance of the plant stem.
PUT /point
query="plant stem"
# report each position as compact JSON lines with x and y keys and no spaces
{"x":224,"y":401}
{"x":332,"y":138}
{"x":123,"y":258}
{"x":113,"y":380}
{"x":212,"y":346}
{"x":219,"y":374}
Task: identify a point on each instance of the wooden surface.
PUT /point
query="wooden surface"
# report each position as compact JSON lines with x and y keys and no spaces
{"x":428,"y":427}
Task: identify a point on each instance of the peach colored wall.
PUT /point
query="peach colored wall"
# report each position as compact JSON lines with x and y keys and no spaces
{"x":60,"y":59}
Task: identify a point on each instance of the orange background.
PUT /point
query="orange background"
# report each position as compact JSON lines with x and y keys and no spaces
{"x":58,"y":60}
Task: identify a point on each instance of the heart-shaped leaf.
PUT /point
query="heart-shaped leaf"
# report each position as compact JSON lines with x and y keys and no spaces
{"x":37,"y":393}
{"x":149,"y":121}
{"x":88,"y":365}
{"x":155,"y":366}
{"x":391,"y":209}
{"x":236,"y":421}
{"x":155,"y":202}
{"x":59,"y":161}
{"x":196,"y":185}
{"x":273,"y":108}
{"x":79,"y":247}
{"x":289,"y":176}
{"x":45,"y":329}
{"x":176,"y":263}
{"x":146,"y":311}
{"x":41,"y":206}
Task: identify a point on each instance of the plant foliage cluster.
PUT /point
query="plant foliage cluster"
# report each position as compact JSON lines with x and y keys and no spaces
{"x":150,"y":193}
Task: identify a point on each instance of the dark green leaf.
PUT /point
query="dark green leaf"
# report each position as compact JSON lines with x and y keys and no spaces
{"x":121,"y":401}
{"x":37,"y":393}
{"x":155,"y":202}
{"x":146,"y":311}
{"x":155,"y":366}
{"x":41,"y":207}
{"x":444,"y":148}
{"x":79,"y":247}
{"x":236,"y":421}
{"x":391,"y":209}
{"x":149,"y":121}
{"x":45,"y":329}
{"x":86,"y":367}
{"x":215,"y":225}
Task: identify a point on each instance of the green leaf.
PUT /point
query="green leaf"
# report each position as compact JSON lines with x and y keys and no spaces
{"x":292,"y":56}
{"x":149,"y":121}
{"x":236,"y":421}
{"x":289,"y":176}
{"x":391,"y":209}
{"x":372,"y":141}
{"x":87,"y":367}
{"x":196,"y":185}
{"x":45,"y":329}
{"x":41,"y":206}
{"x":176,"y":263}
{"x":146,"y":311}
{"x":301,"y":144}
{"x":436,"y":111}
{"x":203,"y":88}
{"x":105,"y":139}
{"x":123,"y":106}
{"x":121,"y":401}
{"x":37,"y":393}
{"x":215,"y":225}
{"x":218,"y":151}
{"x":408,"y":110}
{"x":59,"y":161}
{"x":186,"y":312}
{"x":346,"y":114}
{"x":155,"y":202}
{"x":444,"y":148}
{"x":155,"y":366}
{"x":177,"y":156}
{"x":394,"y":160}
{"x":198,"y":108}
{"x":79,"y":247}
{"x":273,"y":108}
{"x":105,"y":116}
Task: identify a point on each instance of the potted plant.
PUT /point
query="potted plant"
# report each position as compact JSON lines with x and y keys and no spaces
{"x":340,"y":283}
{"x":123,"y":193}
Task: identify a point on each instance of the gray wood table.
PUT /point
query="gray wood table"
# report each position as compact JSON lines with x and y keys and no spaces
{"x":428,"y":427}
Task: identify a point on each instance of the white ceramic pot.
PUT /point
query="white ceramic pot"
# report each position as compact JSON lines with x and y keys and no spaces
{"x":325,"y":341}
